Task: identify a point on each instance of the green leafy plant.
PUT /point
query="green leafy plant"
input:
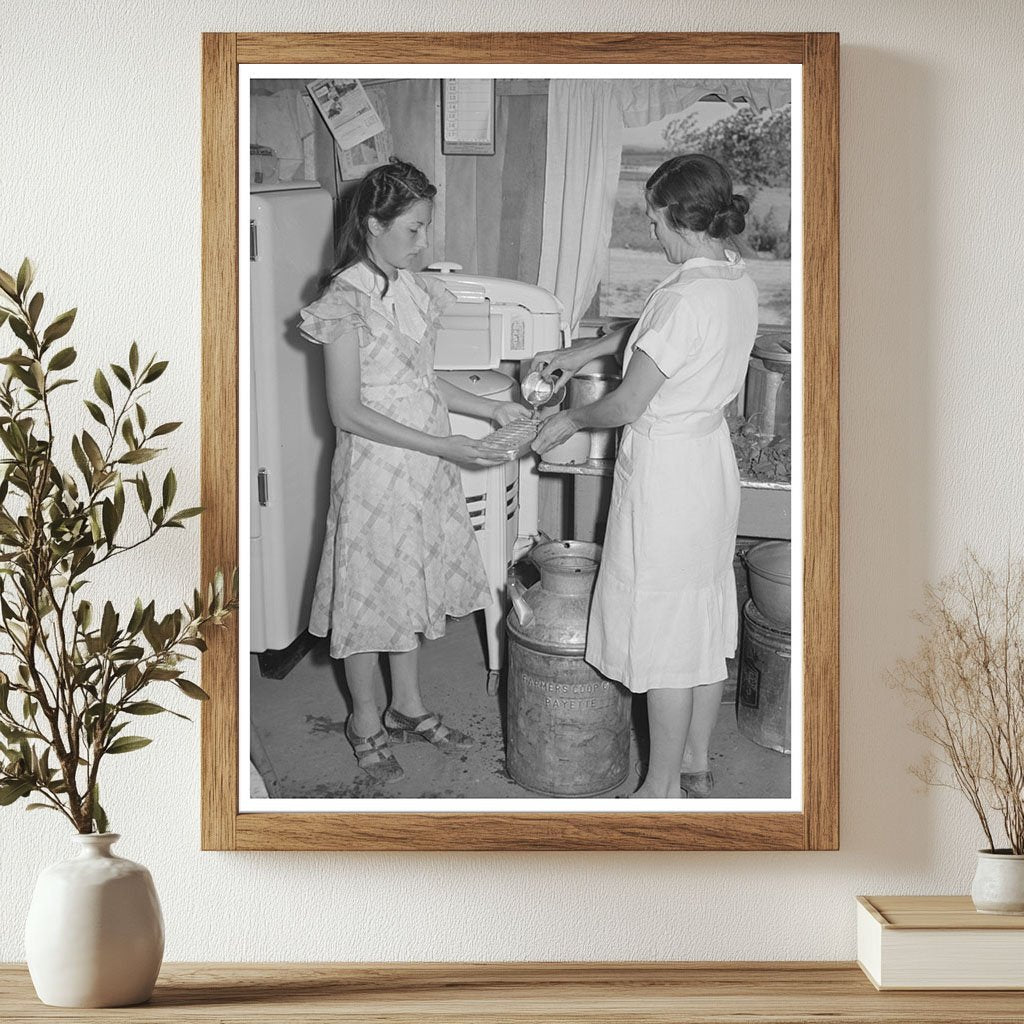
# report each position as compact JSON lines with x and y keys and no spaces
{"x":967,"y":682}
{"x":80,"y":674}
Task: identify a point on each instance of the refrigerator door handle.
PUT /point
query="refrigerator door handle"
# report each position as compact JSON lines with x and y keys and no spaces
{"x":262,"y":487}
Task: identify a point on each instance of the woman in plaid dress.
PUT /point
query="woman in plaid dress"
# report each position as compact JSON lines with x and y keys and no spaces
{"x":399,"y":553}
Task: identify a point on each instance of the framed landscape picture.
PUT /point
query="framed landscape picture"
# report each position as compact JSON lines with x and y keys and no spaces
{"x":530,"y":163}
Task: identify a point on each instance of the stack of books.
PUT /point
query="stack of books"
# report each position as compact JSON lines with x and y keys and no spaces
{"x":938,"y":942}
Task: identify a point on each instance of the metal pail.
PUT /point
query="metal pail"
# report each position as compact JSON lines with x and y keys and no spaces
{"x":763,"y":688}
{"x":586,"y":388}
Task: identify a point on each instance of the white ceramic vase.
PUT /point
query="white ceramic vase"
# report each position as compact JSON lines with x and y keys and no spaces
{"x":95,"y":934}
{"x":998,"y":886}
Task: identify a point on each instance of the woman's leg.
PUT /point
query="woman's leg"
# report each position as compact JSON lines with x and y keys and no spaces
{"x":706,"y":702}
{"x":405,"y":683}
{"x":362,"y":672}
{"x":407,"y":702}
{"x":668,"y":716}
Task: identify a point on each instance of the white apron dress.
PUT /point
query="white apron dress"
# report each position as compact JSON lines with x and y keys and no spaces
{"x":664,"y":610}
{"x":399,"y":553}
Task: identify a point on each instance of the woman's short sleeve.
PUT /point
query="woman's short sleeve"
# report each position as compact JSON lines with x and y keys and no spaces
{"x":441,"y":300}
{"x":667,"y":331}
{"x":338,"y":314}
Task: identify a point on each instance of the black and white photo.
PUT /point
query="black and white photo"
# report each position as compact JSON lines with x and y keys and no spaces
{"x":521,"y":439}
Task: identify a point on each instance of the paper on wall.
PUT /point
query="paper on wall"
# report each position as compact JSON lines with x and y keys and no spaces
{"x":347,"y":109}
{"x":355,"y":162}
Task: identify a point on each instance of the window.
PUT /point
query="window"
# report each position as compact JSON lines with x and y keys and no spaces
{"x":753,"y":145}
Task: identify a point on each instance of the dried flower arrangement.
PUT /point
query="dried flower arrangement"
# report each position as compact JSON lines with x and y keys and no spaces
{"x":967,"y":678}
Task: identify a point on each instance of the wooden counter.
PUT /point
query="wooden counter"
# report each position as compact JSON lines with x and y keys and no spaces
{"x":630,"y":993}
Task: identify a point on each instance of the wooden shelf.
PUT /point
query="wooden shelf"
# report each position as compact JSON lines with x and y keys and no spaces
{"x":630,"y":993}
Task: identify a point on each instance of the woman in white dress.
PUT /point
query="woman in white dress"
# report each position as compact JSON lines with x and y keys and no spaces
{"x":664,"y":618}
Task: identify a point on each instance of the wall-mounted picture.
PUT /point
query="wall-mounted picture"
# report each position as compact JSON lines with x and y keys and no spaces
{"x":522,"y":449}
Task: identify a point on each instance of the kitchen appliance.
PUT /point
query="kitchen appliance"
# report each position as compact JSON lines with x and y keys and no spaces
{"x":496,"y":323}
{"x":492,"y":497}
{"x":568,"y":726}
{"x":291,"y":437}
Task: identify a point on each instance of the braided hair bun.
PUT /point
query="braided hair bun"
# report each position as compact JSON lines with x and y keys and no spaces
{"x":695,"y":192}
{"x":730,"y":220}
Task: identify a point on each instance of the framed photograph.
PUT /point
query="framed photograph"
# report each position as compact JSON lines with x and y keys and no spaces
{"x":526,"y":694}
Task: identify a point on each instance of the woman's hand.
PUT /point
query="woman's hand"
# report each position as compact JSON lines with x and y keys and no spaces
{"x":559,"y":364}
{"x":556,"y":429}
{"x":467,"y":451}
{"x":504,"y":413}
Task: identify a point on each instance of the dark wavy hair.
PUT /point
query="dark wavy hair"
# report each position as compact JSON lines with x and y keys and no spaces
{"x":695,"y":192}
{"x":385,"y":193}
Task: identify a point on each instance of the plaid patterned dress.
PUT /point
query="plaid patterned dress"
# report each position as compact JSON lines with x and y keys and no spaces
{"x":399,"y":553}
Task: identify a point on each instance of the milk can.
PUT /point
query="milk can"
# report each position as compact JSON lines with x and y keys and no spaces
{"x":568,"y":726}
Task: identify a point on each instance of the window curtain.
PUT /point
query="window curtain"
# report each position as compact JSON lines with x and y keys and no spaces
{"x":581,"y":176}
{"x":584,"y":152}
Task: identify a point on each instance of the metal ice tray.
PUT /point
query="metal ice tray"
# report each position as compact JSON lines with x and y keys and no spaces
{"x":514,"y":439}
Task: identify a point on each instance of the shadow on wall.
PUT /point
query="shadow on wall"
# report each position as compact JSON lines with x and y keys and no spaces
{"x":887,"y":211}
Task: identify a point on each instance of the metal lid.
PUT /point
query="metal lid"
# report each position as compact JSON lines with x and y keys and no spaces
{"x":560,"y":602}
{"x":476,"y":288}
{"x":774,"y":343}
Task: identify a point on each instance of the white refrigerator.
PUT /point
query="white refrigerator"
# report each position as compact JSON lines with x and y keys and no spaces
{"x":291,"y":438}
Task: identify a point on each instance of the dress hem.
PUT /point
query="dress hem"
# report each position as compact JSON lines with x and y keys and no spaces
{"x":687,"y":681}
{"x":428,"y":633}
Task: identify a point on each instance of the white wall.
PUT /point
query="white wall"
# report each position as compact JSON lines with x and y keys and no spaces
{"x":99,"y":182}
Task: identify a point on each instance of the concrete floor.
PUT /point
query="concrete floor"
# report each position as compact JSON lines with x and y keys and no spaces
{"x":300,"y":750}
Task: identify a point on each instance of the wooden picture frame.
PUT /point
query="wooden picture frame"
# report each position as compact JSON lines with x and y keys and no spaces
{"x":816,"y":826}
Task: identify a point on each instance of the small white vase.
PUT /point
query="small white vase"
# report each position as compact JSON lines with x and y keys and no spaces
{"x":998,"y":886}
{"x":95,"y":934}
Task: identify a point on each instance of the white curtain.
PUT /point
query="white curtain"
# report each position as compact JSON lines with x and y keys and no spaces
{"x":584,"y":151}
{"x":580,"y":180}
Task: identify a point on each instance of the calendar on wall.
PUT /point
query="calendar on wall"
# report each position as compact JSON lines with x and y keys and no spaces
{"x":467,"y":112}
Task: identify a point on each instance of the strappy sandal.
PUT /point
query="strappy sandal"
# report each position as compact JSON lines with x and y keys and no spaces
{"x":374,"y":755}
{"x":403,"y":729}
